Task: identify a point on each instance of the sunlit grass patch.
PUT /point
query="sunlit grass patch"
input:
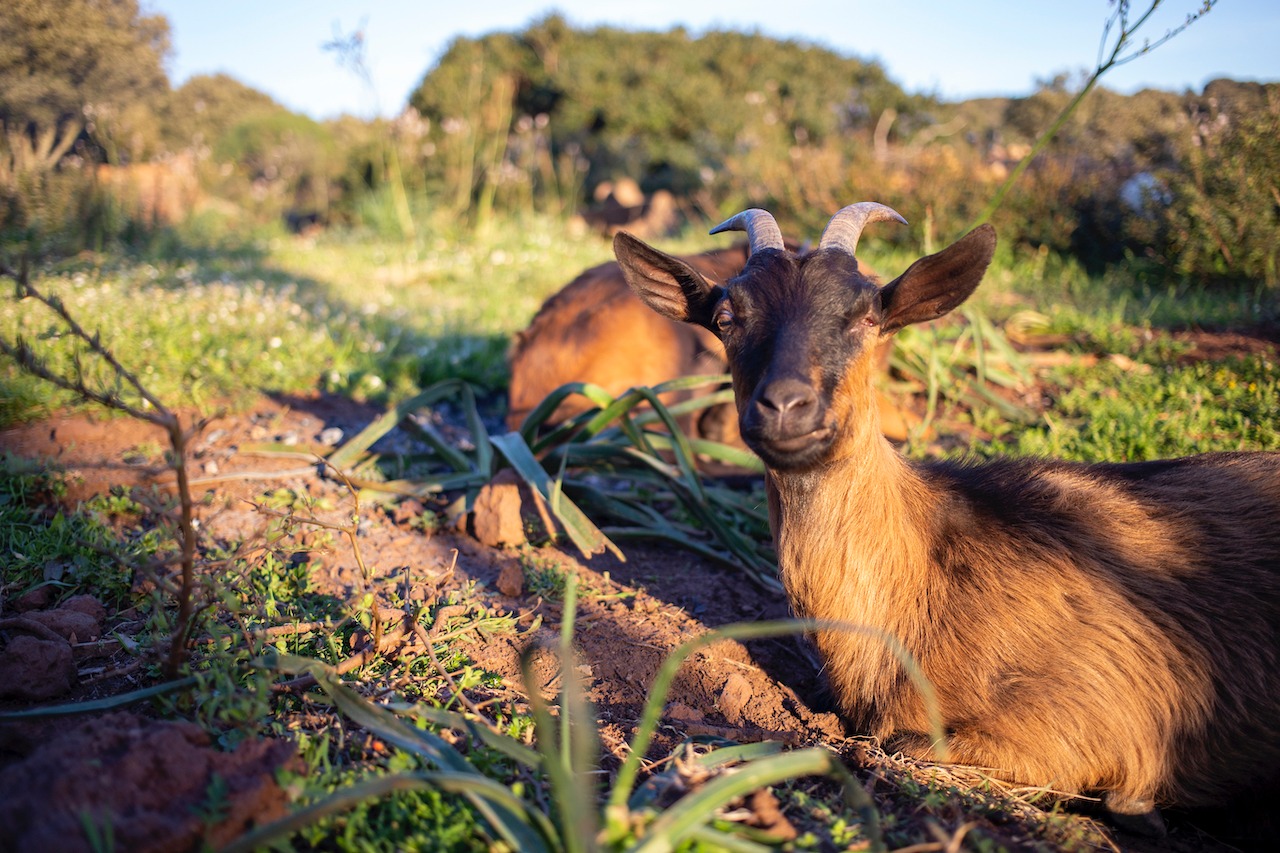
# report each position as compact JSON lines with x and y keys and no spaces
{"x":43,"y":543}
{"x":365,"y":318}
{"x":1133,"y":412}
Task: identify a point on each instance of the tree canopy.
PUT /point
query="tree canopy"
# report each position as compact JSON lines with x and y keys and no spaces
{"x":74,"y":65}
{"x":207,"y":105}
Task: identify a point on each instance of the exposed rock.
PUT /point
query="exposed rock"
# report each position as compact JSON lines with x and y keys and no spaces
{"x":734,"y":697}
{"x":35,"y":668}
{"x":71,"y":625}
{"x":496,"y":518}
{"x":37,"y":599}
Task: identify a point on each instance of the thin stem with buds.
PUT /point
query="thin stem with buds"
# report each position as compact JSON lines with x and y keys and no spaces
{"x":1119,"y":21}
{"x":154,"y":412}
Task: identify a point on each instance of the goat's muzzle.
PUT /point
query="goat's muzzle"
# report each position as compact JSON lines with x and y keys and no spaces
{"x":785,"y":423}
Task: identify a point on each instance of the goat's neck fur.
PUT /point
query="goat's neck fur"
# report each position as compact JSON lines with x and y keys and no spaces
{"x":850,"y":546}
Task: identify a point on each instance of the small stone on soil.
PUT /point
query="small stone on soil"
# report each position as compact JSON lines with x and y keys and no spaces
{"x":496,"y":519}
{"x":511,"y":579}
{"x":683,"y":713}
{"x":734,"y":698}
{"x":33,"y":668}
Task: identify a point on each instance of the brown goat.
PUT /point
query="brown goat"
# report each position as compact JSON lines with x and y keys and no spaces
{"x":595,"y":329}
{"x":1106,"y":627}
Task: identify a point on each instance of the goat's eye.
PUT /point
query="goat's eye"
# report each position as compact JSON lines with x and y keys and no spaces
{"x":723,"y":321}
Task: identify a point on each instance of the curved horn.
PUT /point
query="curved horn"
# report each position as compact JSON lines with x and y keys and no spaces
{"x":762,"y":231}
{"x":844,"y":229}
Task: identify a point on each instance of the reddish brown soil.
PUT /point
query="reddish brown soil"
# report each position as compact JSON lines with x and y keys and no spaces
{"x":631,"y":614}
{"x":151,"y":786}
{"x":1217,"y":346}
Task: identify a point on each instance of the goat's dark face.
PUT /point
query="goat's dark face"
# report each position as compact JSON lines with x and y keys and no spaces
{"x":800,"y":332}
{"x":793,"y":329}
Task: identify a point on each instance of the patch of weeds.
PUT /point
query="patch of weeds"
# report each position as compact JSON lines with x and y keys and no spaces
{"x":407,"y":820}
{"x":42,"y":543}
{"x":282,"y":499}
{"x":143,"y":454}
{"x":543,"y":575}
{"x":1156,"y":411}
{"x":232,"y":698}
{"x":822,"y":822}
{"x":117,"y":503}
{"x":277,"y":584}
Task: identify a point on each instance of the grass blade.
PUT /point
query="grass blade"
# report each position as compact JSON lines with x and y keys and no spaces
{"x":694,"y":810}
{"x":101,"y":704}
{"x":714,"y":839}
{"x":572,"y":793}
{"x":479,"y":435}
{"x":536,"y":419}
{"x":350,"y":453}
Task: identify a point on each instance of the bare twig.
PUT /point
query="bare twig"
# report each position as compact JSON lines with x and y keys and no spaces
{"x":1125,"y":28}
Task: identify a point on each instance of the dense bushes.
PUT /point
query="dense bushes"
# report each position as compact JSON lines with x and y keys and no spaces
{"x":658,"y":107}
{"x":1223,"y":219}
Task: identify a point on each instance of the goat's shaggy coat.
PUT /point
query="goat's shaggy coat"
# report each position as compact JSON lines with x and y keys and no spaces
{"x":1110,"y":627}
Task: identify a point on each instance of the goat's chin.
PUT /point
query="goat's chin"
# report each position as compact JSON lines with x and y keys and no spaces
{"x":793,"y":453}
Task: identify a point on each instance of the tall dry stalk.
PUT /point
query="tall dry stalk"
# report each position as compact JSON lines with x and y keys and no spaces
{"x":151,"y":410}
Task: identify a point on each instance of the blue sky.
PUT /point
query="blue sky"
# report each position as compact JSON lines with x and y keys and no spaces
{"x":948,"y":47}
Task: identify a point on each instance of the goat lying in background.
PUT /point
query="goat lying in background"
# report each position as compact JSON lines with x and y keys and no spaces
{"x":1108,"y":627}
{"x":596,"y":330}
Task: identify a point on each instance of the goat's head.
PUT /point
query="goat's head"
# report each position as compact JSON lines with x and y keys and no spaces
{"x":800,"y":331}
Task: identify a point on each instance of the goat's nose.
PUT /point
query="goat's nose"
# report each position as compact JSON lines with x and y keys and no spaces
{"x":787,"y":397}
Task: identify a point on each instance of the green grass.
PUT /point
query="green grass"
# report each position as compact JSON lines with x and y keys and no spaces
{"x":1150,"y":402}
{"x":406,"y":820}
{"x":1127,"y":296}
{"x":1113,"y":413}
{"x":71,"y":551}
{"x":366,"y":318}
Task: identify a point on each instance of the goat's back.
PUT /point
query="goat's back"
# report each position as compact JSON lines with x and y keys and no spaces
{"x":1110,"y":626}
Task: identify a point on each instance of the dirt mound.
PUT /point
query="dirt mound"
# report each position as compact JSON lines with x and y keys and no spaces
{"x":150,"y":786}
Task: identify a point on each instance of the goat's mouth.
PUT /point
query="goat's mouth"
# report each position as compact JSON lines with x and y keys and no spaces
{"x":792,"y":452}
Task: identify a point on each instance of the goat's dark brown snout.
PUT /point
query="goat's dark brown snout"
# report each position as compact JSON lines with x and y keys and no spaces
{"x":787,"y":402}
{"x":786,"y":422}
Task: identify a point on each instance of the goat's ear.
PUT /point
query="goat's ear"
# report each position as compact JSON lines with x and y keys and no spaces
{"x":667,"y":285}
{"x":934,"y":285}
